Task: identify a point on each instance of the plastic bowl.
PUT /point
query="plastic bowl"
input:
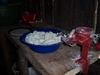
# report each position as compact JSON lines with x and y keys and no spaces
{"x":42,"y":48}
{"x":28,"y":17}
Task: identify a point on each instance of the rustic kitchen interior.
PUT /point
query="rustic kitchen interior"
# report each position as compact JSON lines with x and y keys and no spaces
{"x":59,"y":14}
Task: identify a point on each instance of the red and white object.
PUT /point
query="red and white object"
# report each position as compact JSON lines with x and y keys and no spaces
{"x":85,"y":37}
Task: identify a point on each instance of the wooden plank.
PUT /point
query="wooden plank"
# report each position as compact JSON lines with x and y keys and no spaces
{"x":74,"y":71}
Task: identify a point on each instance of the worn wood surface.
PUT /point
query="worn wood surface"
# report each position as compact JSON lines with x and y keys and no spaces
{"x":60,"y":62}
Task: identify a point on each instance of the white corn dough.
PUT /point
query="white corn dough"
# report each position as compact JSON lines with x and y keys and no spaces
{"x":42,"y":38}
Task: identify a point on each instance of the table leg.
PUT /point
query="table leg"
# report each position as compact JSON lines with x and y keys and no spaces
{"x":22,"y":64}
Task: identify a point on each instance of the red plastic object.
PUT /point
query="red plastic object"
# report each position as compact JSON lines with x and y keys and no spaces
{"x":98,"y":46}
{"x":81,"y":36}
{"x":28,"y":17}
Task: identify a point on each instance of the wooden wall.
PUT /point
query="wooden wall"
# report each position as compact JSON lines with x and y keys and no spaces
{"x":66,"y":14}
{"x":74,"y":13}
{"x":69,"y":14}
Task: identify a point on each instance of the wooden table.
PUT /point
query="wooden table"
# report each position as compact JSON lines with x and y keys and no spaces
{"x":60,"y":62}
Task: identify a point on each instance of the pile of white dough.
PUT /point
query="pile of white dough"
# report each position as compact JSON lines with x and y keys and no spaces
{"x":42,"y":38}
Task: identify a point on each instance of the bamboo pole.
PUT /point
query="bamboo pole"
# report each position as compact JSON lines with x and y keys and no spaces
{"x":95,"y":15}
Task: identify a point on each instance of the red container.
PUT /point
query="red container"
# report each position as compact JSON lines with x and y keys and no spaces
{"x":98,"y":46}
{"x":28,"y":17}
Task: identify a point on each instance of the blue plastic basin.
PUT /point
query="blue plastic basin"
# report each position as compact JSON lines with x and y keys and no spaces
{"x":42,"y":48}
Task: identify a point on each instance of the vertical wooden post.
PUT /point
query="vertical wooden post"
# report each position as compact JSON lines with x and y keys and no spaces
{"x":43,"y":10}
{"x":6,"y":52}
{"x":95,"y":15}
{"x":23,"y":64}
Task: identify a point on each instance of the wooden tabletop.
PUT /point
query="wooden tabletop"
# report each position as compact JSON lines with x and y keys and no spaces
{"x":60,"y":62}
